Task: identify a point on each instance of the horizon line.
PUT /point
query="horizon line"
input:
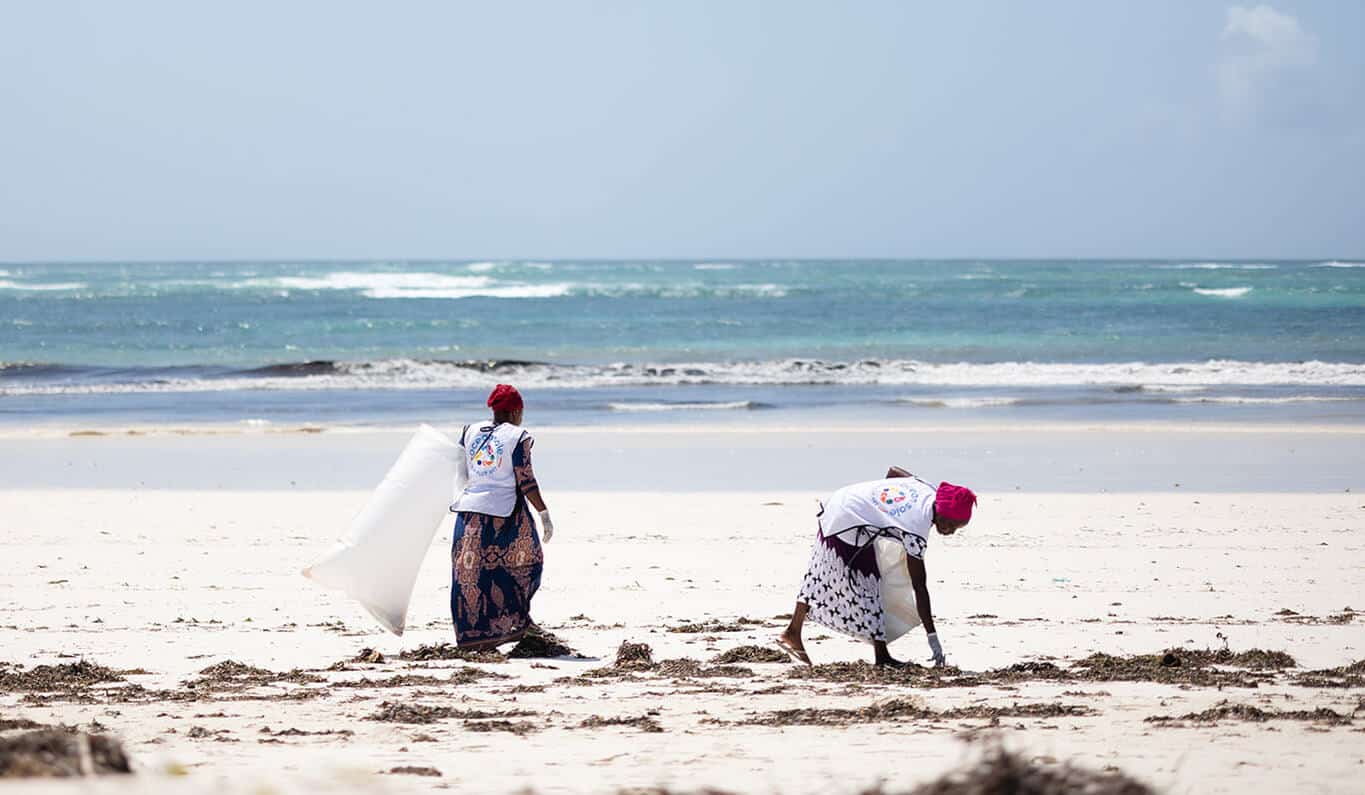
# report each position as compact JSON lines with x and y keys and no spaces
{"x":666,"y":259}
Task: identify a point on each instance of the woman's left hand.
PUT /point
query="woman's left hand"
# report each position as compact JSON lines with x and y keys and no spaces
{"x":547,"y":526}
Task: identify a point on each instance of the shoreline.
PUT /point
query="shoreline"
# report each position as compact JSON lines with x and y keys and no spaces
{"x":991,"y":458}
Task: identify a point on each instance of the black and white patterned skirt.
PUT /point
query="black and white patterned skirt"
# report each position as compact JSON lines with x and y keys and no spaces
{"x":842,"y":586}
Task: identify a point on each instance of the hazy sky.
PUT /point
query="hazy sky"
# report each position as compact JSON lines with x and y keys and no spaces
{"x":163,"y":130}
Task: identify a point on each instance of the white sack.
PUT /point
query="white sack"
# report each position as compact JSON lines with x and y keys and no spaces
{"x":376,"y":562}
{"x":898,"y":594}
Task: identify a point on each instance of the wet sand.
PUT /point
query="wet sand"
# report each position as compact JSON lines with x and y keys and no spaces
{"x":177,"y":621}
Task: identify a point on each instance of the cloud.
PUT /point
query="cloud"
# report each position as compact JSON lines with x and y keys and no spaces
{"x":1262,"y":49}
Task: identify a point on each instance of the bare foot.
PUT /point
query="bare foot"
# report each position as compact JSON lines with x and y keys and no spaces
{"x":794,"y":650}
{"x":890,"y":662}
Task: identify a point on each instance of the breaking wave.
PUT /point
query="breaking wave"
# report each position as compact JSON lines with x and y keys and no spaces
{"x":1239,"y":400}
{"x":1223,"y":292}
{"x":1218,"y":266}
{"x":961,"y":402}
{"x":6,"y":284}
{"x":410,"y":285}
{"x":658,"y":406}
{"x":400,"y":374}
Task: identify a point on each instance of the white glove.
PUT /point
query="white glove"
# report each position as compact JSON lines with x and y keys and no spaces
{"x":937,"y":649}
{"x":547,"y":526}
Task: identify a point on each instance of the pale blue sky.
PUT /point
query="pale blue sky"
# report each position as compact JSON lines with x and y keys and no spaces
{"x":248,"y":130}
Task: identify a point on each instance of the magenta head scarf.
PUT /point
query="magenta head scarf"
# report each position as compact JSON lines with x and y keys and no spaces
{"x":954,"y":503}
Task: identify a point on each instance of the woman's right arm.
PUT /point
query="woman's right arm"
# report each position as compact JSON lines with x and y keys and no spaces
{"x":526,"y":482}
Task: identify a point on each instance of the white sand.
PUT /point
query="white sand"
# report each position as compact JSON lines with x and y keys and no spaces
{"x":173,"y":581}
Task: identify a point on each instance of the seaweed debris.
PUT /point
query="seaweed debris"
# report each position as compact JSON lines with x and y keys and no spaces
{"x":1002,"y":773}
{"x":912,"y":709}
{"x":399,"y":712}
{"x":413,"y":770}
{"x":59,"y":753}
{"x":685,"y":668}
{"x":713,"y":625}
{"x":1185,"y":667}
{"x":751,"y":654}
{"x":231,"y":676}
{"x":1346,"y":616}
{"x":1225,"y":710}
{"x":292,"y":732}
{"x":1351,"y":675}
{"x":644,"y":723}
{"x":54,"y":678}
{"x":401,"y":680}
{"x":862,"y":672}
{"x":1174,"y":666}
{"x":368,"y":655}
{"x":517,"y":727}
{"x":634,"y":656}
{"x":539,"y":643}
{"x":449,"y":651}
{"x":631,"y":663}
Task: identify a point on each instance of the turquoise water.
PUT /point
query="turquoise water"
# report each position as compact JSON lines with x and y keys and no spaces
{"x":241,"y":340}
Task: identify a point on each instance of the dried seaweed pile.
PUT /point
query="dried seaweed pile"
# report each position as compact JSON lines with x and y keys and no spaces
{"x":400,"y":680}
{"x":56,"y":678}
{"x":538,"y":643}
{"x":1182,"y":667}
{"x":685,"y":668}
{"x":634,"y":656}
{"x":644,"y":723}
{"x":56,"y":753}
{"x":233,"y":676}
{"x":862,"y":672}
{"x":1352,"y":675}
{"x":449,"y":651}
{"x":751,"y":654}
{"x":711,"y":626}
{"x":638,"y":658}
{"x":405,"y":712}
{"x":1346,"y":616}
{"x":1173,"y":666}
{"x":1225,"y":710}
{"x":1003,"y":773}
{"x":901,"y":709}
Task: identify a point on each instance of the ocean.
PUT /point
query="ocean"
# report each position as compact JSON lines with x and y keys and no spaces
{"x":391,"y":342}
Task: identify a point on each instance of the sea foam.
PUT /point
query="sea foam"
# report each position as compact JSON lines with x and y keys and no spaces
{"x":5,"y":284}
{"x":650,"y":407}
{"x":960,"y":402}
{"x":411,"y":285}
{"x":407,"y":374}
{"x":1219,"y":266}
{"x":1223,"y":292}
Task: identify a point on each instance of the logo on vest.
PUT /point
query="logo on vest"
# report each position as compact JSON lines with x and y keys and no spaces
{"x":893,"y":500}
{"x":488,"y":457}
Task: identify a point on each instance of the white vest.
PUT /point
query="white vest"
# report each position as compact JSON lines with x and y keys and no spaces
{"x":902,"y":508}
{"x":492,"y":485}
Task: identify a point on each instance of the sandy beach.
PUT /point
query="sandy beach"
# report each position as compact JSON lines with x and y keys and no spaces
{"x":164,"y":586}
{"x":1092,"y":274}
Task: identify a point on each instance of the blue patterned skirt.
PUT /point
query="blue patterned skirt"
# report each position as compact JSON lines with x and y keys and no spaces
{"x":496,"y":564}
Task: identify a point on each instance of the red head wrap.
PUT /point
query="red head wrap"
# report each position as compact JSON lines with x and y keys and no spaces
{"x":505,"y":398}
{"x":954,"y":503}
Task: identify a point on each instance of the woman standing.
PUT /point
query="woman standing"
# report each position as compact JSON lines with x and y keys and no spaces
{"x":496,"y":554}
